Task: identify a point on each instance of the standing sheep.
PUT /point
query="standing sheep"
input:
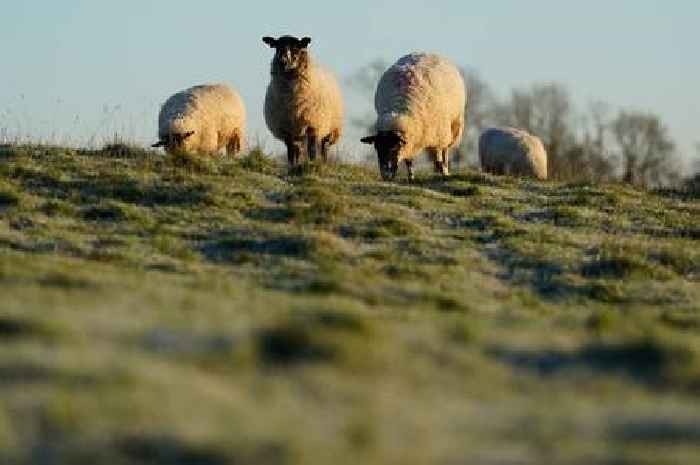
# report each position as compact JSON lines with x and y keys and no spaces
{"x":202,"y":119}
{"x":512,"y":151}
{"x":420,"y":103}
{"x":303,"y":103}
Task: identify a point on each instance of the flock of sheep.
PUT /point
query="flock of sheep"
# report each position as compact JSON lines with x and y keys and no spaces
{"x":420,"y":103}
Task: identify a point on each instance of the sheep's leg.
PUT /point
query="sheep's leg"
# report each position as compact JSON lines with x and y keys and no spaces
{"x":325,"y":143}
{"x":297,"y":152}
{"x":445,"y":162}
{"x":293,"y":152}
{"x":409,"y":168}
{"x":394,"y":167}
{"x":437,"y":159}
{"x":234,"y":145}
{"x":457,"y":130}
{"x":311,"y":143}
{"x":290,"y":152}
{"x":328,"y":141}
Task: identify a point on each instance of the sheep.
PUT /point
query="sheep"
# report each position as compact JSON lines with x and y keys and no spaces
{"x":303,"y":103}
{"x":202,"y":119}
{"x":420,"y":103}
{"x":512,"y":151}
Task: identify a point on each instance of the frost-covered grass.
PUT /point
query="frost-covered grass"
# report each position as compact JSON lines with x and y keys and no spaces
{"x":193,"y":311}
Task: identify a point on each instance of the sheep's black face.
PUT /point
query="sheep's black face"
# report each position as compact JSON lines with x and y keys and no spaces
{"x":291,"y":54}
{"x":388,"y":144}
{"x":174,"y":142}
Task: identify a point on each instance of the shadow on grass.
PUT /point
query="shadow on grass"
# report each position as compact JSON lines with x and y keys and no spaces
{"x":240,"y":245}
{"x":131,"y":191}
{"x":313,"y":336}
{"x":120,"y":150}
{"x":270,"y":214}
{"x":115,"y":187}
{"x":22,"y":374}
{"x":460,"y":185}
{"x":11,"y":329}
{"x":381,"y":227}
{"x":613,"y":267}
{"x":548,"y":278}
{"x":645,"y":361}
{"x":104,"y":213}
{"x":690,"y":232}
{"x":476,"y":178}
{"x":149,"y":449}
{"x":549,"y":281}
{"x":166,"y":450}
{"x":41,"y":246}
{"x":657,"y":430}
{"x":21,"y":330}
{"x":386,"y":190}
{"x":292,"y":344}
{"x":66,"y":281}
{"x":8,"y":200}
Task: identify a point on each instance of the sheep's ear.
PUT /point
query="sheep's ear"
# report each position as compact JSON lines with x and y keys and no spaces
{"x":271,"y":41}
{"x":368,"y":139}
{"x":305,"y":42}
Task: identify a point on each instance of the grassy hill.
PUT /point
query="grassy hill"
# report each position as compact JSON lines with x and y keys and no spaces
{"x":183,"y":311}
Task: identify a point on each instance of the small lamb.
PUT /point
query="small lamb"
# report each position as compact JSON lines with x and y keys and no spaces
{"x":420,"y":103}
{"x":303,"y":104}
{"x":202,"y":119}
{"x":512,"y":151}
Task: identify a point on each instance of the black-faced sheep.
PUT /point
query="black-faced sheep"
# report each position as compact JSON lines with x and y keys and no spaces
{"x":202,"y":119}
{"x":420,"y":103}
{"x":303,"y":104}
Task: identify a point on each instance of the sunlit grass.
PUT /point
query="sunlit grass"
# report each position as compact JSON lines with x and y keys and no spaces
{"x":177,"y":310}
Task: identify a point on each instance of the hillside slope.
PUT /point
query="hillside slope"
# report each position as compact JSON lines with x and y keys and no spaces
{"x":159,"y":311}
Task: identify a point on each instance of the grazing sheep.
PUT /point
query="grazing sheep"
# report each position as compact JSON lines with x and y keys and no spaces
{"x":303,"y":103}
{"x":420,"y":103}
{"x":512,"y":151}
{"x":202,"y":119}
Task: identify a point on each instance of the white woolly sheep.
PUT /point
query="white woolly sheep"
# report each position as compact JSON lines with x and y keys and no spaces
{"x":512,"y":151}
{"x":303,"y":103}
{"x":202,"y":119}
{"x":420,"y":103}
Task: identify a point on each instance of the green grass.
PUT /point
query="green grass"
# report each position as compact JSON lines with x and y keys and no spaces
{"x":194,"y":311}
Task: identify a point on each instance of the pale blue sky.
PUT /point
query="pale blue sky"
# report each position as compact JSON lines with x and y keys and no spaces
{"x":73,"y":69}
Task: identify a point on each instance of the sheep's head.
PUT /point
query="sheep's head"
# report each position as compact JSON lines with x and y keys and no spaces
{"x":174,"y":142}
{"x":388,"y":145}
{"x":291,"y":54}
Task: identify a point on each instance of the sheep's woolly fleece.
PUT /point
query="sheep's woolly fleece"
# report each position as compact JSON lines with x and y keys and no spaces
{"x":423,"y":97}
{"x":310,"y":101}
{"x":214,"y":112}
{"x":512,"y":151}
